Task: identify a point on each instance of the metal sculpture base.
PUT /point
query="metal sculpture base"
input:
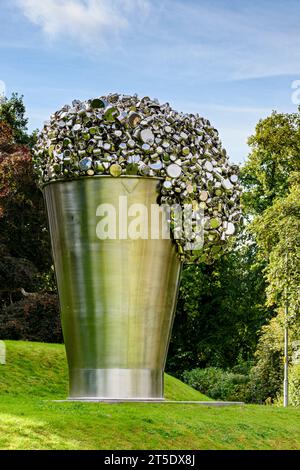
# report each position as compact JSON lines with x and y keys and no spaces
{"x":117,"y":383}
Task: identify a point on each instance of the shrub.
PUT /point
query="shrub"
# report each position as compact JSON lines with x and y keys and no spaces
{"x":35,"y":318}
{"x":294,"y":385}
{"x":218,"y":384}
{"x":266,"y":376}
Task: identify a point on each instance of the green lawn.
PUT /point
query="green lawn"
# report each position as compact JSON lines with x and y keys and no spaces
{"x":36,"y":373}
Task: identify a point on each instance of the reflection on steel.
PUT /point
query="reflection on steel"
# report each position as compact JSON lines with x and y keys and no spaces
{"x":117,"y":297}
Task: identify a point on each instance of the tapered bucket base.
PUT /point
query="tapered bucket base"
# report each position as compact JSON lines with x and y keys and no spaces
{"x":124,"y":384}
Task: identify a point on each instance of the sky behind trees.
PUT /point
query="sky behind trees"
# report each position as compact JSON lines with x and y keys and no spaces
{"x":233,"y":62}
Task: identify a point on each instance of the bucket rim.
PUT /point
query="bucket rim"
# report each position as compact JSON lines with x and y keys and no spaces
{"x":64,"y":180}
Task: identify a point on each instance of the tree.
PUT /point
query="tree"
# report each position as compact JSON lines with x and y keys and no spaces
{"x":25,"y":257}
{"x":266,"y":376}
{"x":272,"y":200}
{"x":272,"y":178}
{"x":277,"y":232}
{"x":222,"y":307}
{"x":275,"y":155}
{"x":12,"y":113}
{"x":23,"y":225}
{"x":220,"y":311}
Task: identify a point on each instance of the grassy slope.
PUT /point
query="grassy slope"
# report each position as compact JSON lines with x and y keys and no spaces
{"x":36,"y":373}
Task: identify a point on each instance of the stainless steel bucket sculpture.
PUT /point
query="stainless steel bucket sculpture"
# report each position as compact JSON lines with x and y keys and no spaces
{"x":117,"y":296}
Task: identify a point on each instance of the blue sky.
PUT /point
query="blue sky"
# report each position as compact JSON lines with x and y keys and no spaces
{"x":231,"y":61}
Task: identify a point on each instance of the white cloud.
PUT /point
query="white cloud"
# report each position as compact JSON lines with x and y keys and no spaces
{"x":86,"y":21}
{"x":250,"y":41}
{"x":246,"y":41}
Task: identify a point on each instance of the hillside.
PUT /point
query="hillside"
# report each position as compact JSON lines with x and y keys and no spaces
{"x":36,"y":374}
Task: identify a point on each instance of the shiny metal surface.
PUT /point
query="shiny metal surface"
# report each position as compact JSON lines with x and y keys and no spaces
{"x":117,"y":297}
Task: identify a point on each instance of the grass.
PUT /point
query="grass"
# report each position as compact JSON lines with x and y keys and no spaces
{"x":36,"y":374}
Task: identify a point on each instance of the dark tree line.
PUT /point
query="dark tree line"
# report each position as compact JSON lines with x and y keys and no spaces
{"x":28,"y":302}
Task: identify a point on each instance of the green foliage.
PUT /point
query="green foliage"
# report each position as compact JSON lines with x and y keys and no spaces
{"x":253,"y":277}
{"x":220,"y":311}
{"x":294,"y":385}
{"x":275,"y":155}
{"x":277,"y":233}
{"x":46,"y":281}
{"x":272,"y":203}
{"x":266,"y":377}
{"x":12,"y":112}
{"x":218,"y":384}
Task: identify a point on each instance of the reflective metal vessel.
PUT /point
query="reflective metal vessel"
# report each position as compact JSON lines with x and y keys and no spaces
{"x":117,"y":296}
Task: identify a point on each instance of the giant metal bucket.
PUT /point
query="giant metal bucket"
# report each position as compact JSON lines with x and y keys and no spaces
{"x":117,"y":296}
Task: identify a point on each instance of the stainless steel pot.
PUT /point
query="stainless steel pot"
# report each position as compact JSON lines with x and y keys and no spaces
{"x":117,"y":296}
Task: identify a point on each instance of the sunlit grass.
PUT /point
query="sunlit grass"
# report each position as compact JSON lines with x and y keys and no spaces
{"x":36,"y":374}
